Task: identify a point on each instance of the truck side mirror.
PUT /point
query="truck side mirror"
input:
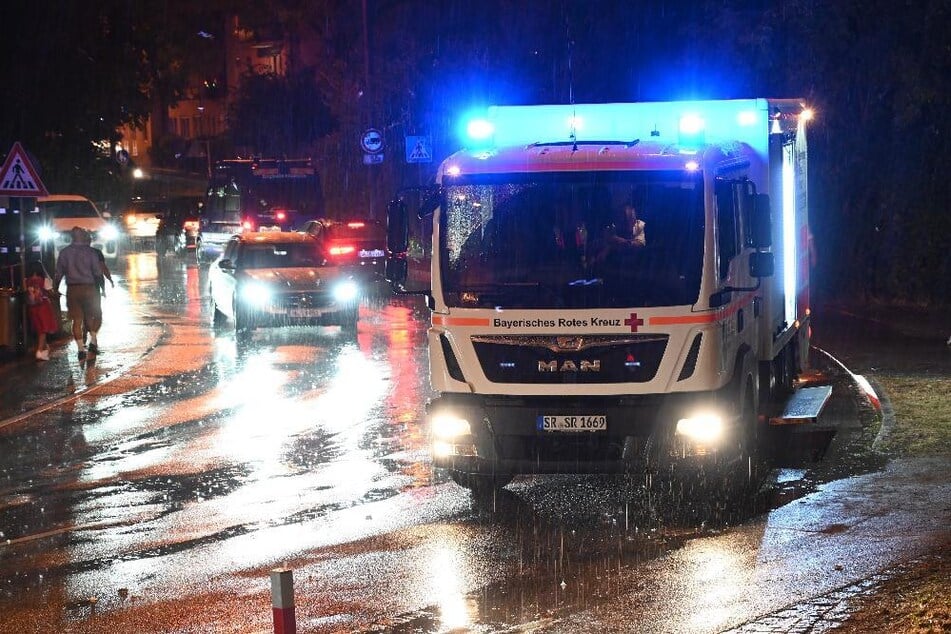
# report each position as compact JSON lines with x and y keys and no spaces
{"x":397,"y":242}
{"x":761,"y":264}
{"x":396,"y":227}
{"x":761,"y":229}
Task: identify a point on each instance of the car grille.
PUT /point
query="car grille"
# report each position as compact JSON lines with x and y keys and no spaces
{"x":303,"y":300}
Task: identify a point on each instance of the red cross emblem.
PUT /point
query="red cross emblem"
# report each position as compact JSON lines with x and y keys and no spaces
{"x":633,"y":322}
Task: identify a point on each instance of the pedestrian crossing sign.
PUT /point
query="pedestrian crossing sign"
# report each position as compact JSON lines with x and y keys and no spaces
{"x":18,"y":177}
{"x":419,"y":149}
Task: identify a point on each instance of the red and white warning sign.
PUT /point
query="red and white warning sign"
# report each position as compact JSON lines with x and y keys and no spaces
{"x":18,"y":177}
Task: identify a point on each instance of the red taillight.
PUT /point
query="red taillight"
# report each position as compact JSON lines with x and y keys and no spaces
{"x":342,"y":249}
{"x":247,"y":225}
{"x":191,"y":225}
{"x":356,"y":225}
{"x":281,"y":215}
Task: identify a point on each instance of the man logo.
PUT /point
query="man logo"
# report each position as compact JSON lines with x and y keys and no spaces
{"x":570,"y":366}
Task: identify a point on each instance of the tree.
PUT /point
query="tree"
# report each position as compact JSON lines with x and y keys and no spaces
{"x":274,"y":115}
{"x":71,"y":78}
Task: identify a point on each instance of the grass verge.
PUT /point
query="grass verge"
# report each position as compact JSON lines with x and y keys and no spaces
{"x":916,"y":599}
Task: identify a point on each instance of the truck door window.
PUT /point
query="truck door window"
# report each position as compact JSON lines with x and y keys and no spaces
{"x":727,"y":226}
{"x":744,"y":198}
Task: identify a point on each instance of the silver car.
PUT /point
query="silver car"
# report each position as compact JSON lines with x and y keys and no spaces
{"x":281,"y":278}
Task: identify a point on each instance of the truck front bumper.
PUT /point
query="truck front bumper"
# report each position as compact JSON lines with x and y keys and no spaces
{"x":504,"y":434}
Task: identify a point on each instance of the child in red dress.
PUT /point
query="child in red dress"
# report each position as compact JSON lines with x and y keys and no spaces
{"x":40,"y":309}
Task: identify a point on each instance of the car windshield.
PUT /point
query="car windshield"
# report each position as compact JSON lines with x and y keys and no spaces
{"x":68,"y":209}
{"x":564,"y":241}
{"x":280,"y":255}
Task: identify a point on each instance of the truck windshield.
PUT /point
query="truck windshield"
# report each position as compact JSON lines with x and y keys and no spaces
{"x":288,"y":193}
{"x":566,"y":240}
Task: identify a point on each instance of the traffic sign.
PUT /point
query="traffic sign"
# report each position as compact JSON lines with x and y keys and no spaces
{"x":18,"y":177}
{"x":418,"y":149}
{"x":372,"y":141}
{"x":372,"y":159}
{"x":122,"y":157}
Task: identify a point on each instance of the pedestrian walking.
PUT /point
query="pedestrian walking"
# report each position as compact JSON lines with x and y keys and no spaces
{"x":79,"y":265}
{"x":104,"y":274}
{"x":43,"y":319}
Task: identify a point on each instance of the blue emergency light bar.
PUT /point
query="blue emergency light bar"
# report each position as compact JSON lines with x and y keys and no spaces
{"x":688,"y":124}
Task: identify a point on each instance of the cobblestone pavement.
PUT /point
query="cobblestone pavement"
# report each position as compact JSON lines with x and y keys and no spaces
{"x":821,"y":614}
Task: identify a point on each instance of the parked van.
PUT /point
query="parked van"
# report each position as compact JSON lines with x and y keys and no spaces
{"x":60,"y":213}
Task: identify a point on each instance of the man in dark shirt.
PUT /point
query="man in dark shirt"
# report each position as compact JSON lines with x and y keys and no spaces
{"x":79,"y":264}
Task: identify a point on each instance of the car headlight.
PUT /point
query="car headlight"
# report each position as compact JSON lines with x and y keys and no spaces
{"x":256,"y":293}
{"x":46,"y":234}
{"x":346,"y":291}
{"x":109,"y":232}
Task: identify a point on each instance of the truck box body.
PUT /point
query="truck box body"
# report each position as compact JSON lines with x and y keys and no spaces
{"x":561,"y":343}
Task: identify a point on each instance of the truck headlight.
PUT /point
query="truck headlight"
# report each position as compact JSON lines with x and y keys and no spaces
{"x":703,"y":427}
{"x":109,"y":232}
{"x":256,"y":293}
{"x":346,"y":291}
{"x":449,"y":426}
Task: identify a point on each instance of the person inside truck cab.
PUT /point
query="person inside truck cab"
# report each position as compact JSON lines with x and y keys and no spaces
{"x":629,"y":232}
{"x":624,"y":236}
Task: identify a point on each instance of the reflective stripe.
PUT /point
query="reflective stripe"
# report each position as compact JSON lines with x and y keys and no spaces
{"x":459,"y":321}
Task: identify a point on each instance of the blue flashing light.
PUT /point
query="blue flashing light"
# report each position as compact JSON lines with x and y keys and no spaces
{"x":691,"y":124}
{"x":692,"y":166}
{"x":480,"y":129}
{"x":453,"y":170}
{"x":692,"y":128}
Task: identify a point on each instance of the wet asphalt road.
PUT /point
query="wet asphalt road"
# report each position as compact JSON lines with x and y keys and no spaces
{"x":155,"y":490}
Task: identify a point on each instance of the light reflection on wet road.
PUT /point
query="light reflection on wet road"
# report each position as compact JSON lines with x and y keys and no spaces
{"x":168,"y":493}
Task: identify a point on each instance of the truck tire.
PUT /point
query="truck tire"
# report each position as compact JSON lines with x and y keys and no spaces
{"x":716,"y":489}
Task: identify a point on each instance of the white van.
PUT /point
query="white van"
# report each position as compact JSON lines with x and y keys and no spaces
{"x":61,"y":212}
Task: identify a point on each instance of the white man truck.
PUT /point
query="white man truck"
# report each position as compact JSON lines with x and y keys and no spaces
{"x":562,"y":342}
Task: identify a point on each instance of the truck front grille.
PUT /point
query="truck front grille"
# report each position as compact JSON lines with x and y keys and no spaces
{"x":571,"y":359}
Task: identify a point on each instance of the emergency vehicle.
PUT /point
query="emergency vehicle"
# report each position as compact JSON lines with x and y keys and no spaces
{"x":559,"y":343}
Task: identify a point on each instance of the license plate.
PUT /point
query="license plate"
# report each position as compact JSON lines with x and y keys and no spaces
{"x":303,"y":312}
{"x":572,"y":423}
{"x":371,"y":253}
